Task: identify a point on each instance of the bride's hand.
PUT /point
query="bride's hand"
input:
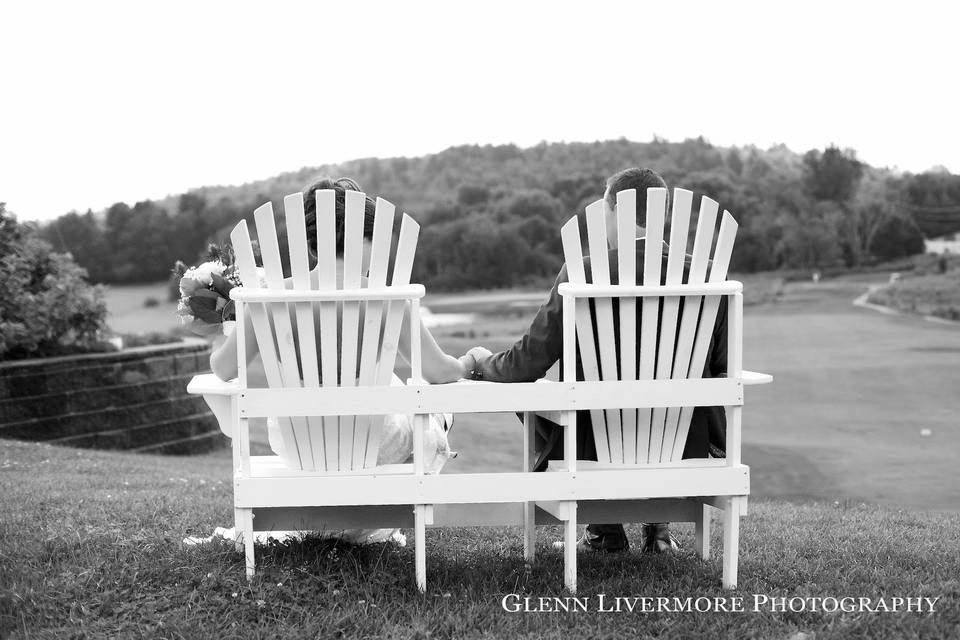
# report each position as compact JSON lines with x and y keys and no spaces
{"x":471,"y":358}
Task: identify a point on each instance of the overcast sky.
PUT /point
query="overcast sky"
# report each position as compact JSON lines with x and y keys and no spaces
{"x":102,"y":102}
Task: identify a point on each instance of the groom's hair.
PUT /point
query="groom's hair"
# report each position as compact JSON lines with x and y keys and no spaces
{"x":639,"y":179}
{"x":340,"y":188}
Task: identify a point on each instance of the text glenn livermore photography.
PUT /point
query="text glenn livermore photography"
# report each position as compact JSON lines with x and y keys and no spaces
{"x":753,"y":603}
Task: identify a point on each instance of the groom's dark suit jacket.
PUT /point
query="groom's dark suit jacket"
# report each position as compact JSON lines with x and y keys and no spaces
{"x":542,"y":345}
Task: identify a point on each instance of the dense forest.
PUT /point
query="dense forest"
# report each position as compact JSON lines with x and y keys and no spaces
{"x":491,"y":214}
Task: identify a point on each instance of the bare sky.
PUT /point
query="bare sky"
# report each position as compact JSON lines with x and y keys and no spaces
{"x":102,"y":102}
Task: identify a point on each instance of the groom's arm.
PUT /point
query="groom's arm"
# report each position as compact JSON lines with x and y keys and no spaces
{"x":533,"y":354}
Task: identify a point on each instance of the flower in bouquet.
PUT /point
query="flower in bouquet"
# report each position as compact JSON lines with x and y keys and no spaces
{"x":205,"y":302}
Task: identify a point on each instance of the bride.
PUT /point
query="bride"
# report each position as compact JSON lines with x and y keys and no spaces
{"x":396,"y":444}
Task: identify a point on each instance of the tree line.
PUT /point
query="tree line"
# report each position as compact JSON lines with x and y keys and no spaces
{"x":491,"y":214}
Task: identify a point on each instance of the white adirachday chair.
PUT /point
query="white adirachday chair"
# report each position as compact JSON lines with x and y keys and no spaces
{"x":313,"y":338}
{"x":640,"y":445}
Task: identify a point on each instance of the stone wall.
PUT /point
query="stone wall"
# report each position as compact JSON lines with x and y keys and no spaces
{"x":134,"y":399}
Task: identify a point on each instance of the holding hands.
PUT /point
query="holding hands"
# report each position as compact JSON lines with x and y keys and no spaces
{"x":471,"y":358}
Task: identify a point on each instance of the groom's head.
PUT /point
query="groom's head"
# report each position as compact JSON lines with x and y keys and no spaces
{"x":633,"y":178}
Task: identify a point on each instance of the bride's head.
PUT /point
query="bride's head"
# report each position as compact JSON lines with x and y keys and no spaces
{"x":340,"y":188}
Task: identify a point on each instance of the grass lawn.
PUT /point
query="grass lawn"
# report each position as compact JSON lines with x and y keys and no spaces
{"x":92,"y":548}
{"x":853,"y":459}
{"x":127,"y":313}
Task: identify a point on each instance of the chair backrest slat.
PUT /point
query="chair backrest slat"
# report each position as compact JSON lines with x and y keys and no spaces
{"x":246,"y":264}
{"x":711,"y":304}
{"x":706,"y":222}
{"x":627,"y":275}
{"x":300,"y":275}
{"x":572,"y":252}
{"x":282,"y":327}
{"x":329,"y":331}
{"x":352,"y":266}
{"x":402,"y":268}
{"x":677,"y":254}
{"x":372,"y":317}
{"x":603,"y":307}
{"x":650,"y":309}
{"x":306,"y":338}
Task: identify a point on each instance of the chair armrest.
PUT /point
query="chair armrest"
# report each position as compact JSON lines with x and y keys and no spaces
{"x":219,"y":397}
{"x":752,"y":377}
{"x":209,"y":383}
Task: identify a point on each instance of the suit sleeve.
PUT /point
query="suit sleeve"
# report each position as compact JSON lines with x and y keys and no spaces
{"x":717,"y":362}
{"x":532,"y":355}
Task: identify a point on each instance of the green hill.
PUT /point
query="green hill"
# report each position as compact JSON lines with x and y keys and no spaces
{"x":491,"y":214}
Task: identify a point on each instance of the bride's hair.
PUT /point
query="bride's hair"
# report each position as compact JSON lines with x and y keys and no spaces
{"x":340,"y":188}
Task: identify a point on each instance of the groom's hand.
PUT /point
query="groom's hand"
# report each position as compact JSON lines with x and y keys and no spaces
{"x":480,"y":353}
{"x":470,"y":359}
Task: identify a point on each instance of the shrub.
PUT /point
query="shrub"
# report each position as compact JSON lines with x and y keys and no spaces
{"x":151,"y":302}
{"x":934,"y":263}
{"x":46,"y":305}
{"x":933,"y":295}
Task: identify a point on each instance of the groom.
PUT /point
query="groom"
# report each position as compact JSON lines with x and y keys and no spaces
{"x":542,"y":345}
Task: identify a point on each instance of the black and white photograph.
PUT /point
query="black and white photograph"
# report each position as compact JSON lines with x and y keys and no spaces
{"x":510,"y":320}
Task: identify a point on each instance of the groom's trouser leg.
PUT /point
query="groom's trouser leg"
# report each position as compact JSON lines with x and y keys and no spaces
{"x":549,"y":446}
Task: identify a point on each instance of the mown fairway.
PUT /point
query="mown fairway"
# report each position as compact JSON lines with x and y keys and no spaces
{"x":853,"y":390}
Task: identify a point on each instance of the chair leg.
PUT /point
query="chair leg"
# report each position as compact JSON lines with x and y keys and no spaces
{"x":245,"y":529}
{"x":703,"y":533}
{"x":529,"y":531}
{"x":570,"y":548}
{"x":529,"y":508}
{"x":420,"y":545}
{"x":731,"y":542}
{"x":237,"y":530}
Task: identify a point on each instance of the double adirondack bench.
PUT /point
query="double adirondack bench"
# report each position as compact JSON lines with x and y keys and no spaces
{"x":328,"y":368}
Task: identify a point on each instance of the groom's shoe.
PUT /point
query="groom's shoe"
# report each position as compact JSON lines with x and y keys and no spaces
{"x":657,"y":538}
{"x":605,"y":538}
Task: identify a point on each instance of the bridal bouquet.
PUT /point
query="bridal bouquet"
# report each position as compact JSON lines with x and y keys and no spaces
{"x":205,"y":303}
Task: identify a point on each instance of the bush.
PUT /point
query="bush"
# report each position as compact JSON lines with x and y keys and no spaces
{"x":935,"y":263}
{"x":131,"y":340}
{"x":46,"y":305}
{"x":930,"y":295}
{"x":151,"y":302}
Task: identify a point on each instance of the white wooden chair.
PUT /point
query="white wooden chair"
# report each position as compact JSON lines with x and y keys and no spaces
{"x":354,"y":363}
{"x":327,"y":400}
{"x":640,"y":440}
